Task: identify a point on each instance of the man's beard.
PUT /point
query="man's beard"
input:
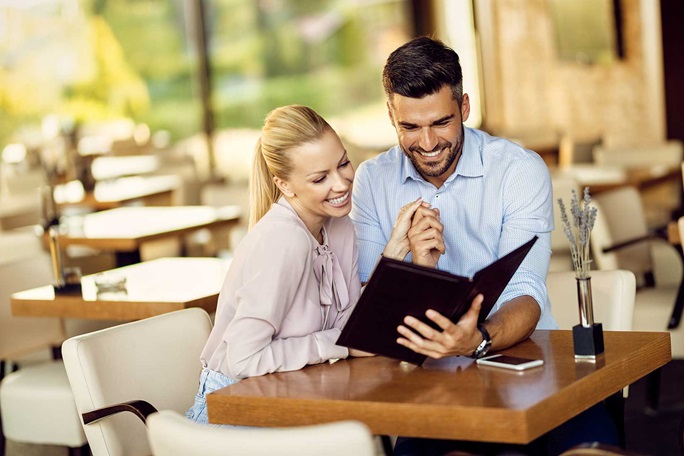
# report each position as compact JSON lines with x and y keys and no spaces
{"x":438,"y":168}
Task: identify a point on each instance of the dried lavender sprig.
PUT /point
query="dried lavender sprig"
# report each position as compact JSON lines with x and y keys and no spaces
{"x":578,"y":233}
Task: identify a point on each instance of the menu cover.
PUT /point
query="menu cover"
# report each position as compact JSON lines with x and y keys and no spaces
{"x":397,"y":289}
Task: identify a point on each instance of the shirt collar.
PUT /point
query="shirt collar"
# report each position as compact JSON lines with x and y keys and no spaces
{"x":469,"y":164}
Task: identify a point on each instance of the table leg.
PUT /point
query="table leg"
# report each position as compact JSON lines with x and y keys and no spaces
{"x":653,"y":392}
{"x":387,"y":445}
{"x":615,"y":405}
{"x":127,"y":258}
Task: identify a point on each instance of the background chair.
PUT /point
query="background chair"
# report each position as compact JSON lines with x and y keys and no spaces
{"x":621,"y":240}
{"x":613,"y":294}
{"x":36,"y":403}
{"x":154,"y":360}
{"x":171,"y":434}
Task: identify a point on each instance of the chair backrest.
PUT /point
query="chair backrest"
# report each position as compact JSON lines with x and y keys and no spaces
{"x":612,"y":292}
{"x":171,"y":434}
{"x":155,"y":360}
{"x":21,"y":270}
{"x":621,"y":218}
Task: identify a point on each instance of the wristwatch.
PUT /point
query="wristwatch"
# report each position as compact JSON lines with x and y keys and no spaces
{"x":483,"y":348}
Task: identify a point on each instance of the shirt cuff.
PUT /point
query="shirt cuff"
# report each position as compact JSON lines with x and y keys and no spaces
{"x":326,"y":344}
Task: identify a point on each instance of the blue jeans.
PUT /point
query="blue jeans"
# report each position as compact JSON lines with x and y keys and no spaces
{"x":209,"y":382}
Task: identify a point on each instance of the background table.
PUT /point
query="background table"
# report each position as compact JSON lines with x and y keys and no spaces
{"x":153,"y":288}
{"x":448,"y":399}
{"x":146,"y":190}
{"x":124,"y":230}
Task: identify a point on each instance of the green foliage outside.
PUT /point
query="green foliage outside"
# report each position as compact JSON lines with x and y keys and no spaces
{"x":142,"y":64}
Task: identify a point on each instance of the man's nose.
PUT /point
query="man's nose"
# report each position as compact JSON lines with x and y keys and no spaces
{"x":428,"y":139}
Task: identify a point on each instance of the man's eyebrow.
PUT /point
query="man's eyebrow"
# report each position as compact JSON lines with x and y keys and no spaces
{"x":439,"y":121}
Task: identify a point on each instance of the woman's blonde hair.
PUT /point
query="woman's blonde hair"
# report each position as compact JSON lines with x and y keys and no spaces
{"x":285,"y":128}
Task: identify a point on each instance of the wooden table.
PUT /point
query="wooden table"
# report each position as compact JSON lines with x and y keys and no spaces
{"x":123,"y":230}
{"x":449,"y":399}
{"x":153,"y":288}
{"x":148,"y":191}
{"x":604,"y":178}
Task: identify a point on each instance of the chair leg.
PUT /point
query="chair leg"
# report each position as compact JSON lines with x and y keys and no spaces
{"x":676,"y":316}
{"x":56,"y":352}
{"x":2,"y":438}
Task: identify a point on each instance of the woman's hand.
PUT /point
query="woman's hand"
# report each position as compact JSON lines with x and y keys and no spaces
{"x":399,"y":246}
{"x":359,"y":353}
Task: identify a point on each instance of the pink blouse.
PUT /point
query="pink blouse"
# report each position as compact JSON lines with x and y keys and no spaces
{"x":285,"y":297}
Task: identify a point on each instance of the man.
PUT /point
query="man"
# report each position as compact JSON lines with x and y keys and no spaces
{"x":487,"y":196}
{"x":490,"y":195}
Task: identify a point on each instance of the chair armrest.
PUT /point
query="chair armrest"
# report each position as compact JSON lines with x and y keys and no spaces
{"x":659,"y":233}
{"x":141,"y":409}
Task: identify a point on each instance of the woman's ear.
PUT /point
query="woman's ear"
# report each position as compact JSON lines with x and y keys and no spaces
{"x":283,"y":186}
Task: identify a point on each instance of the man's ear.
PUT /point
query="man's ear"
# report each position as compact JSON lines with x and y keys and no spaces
{"x":283,"y":186}
{"x":465,"y":107}
{"x":389,"y":111}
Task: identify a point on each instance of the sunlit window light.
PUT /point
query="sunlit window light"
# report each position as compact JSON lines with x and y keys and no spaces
{"x":14,"y":153}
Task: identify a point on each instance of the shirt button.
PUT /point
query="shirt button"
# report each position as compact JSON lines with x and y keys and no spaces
{"x":436,"y":196}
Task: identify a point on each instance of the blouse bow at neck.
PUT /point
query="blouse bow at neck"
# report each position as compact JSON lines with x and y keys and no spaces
{"x":332,"y":286}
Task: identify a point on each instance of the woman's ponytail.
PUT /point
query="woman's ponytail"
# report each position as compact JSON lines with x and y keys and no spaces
{"x":263,"y":192}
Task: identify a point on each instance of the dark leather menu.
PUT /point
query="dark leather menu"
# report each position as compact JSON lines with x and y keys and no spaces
{"x":397,"y":289}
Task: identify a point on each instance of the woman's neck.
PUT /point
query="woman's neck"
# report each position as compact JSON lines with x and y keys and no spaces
{"x":313,"y":223}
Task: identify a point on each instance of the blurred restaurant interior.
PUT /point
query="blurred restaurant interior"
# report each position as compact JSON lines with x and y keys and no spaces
{"x":127,"y":129}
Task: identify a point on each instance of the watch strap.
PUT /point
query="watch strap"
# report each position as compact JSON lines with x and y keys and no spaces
{"x":484,"y":346}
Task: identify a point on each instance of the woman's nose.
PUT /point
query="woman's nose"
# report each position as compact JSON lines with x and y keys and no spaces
{"x":340,"y":183}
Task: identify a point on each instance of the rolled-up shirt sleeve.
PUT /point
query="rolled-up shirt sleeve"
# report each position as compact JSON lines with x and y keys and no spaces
{"x":528,"y":212}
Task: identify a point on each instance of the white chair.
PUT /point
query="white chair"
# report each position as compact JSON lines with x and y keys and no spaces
{"x":621,"y":240}
{"x":171,"y":434}
{"x":613,"y":295}
{"x":155,"y":360}
{"x":36,"y":402}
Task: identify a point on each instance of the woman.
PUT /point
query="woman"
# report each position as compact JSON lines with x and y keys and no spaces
{"x":293,"y":280}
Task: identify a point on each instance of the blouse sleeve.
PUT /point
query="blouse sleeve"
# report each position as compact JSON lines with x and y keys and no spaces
{"x":272,"y":277}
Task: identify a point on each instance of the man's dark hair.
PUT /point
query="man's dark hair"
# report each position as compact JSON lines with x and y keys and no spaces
{"x":422,"y":67}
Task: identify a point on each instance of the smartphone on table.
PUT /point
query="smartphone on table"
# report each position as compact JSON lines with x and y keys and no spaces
{"x":510,"y":362}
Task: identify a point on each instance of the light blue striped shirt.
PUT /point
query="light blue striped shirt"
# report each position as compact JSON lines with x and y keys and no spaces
{"x":497,"y":199}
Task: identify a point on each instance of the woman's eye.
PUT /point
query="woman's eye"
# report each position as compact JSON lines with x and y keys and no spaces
{"x":345,"y":164}
{"x":319,"y":180}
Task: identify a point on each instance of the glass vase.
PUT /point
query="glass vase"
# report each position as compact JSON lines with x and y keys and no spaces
{"x":587,"y":335}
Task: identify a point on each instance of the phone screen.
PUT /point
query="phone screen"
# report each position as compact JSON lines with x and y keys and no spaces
{"x":510,"y":362}
{"x":514,"y":360}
